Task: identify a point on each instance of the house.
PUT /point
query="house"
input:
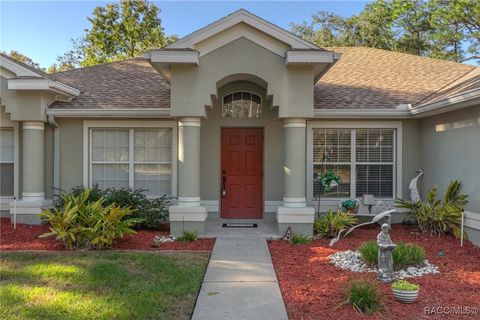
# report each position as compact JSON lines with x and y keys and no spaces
{"x":237,"y":120}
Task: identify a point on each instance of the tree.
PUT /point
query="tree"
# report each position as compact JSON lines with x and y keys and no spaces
{"x":22,"y":58}
{"x":445,"y":29}
{"x":118,"y":31}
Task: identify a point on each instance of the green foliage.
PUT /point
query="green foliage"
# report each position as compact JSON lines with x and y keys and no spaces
{"x":328,"y":179}
{"x":188,"y":236}
{"x":332,"y":222}
{"x":18,"y":56}
{"x":349,"y":204}
{"x":437,"y":217}
{"x":364,"y":296}
{"x":300,"y":239}
{"x":404,"y":255}
{"x":118,"y":30}
{"x":442,"y":29}
{"x":83,"y":224}
{"x":405,"y":285}
{"x":152,"y":212}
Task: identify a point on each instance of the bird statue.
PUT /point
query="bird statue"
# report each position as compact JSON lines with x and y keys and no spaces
{"x":414,"y":194}
{"x":377,"y":218}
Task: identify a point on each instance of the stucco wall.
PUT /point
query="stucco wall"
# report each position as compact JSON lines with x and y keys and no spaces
{"x":211,"y":145}
{"x":291,"y":86}
{"x":71,"y":152}
{"x":411,"y":157}
{"x":451,"y":151}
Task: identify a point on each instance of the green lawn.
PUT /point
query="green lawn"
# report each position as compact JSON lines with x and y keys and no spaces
{"x":99,"y":285}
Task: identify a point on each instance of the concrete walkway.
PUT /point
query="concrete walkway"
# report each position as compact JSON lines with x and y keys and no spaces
{"x":240,"y":282}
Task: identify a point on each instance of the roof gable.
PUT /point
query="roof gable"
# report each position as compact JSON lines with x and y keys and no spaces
{"x":245,"y":17}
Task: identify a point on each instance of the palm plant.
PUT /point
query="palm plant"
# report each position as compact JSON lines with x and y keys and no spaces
{"x":436,"y":216}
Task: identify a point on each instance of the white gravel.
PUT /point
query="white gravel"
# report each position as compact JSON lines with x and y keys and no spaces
{"x":352,"y":260}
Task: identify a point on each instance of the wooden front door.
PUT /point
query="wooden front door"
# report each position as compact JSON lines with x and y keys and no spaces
{"x":242,"y":173}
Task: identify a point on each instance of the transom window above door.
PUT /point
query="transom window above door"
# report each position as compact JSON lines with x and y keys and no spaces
{"x":242,"y":104}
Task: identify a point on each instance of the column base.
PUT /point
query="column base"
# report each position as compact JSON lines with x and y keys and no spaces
{"x":184,"y":218}
{"x":27,"y":212}
{"x":300,"y":220}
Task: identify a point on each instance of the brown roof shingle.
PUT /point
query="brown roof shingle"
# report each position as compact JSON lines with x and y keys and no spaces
{"x":367,"y":78}
{"x":363,"y":78}
{"x":131,"y":83}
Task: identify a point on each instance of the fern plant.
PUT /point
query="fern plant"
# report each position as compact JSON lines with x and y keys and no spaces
{"x":439,"y":217}
{"x":332,"y":222}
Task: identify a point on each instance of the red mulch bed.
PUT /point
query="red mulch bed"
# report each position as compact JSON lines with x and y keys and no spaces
{"x":312,"y":288}
{"x":25,"y":237}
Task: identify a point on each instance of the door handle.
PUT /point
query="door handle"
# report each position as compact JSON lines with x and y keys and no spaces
{"x":224,"y":184}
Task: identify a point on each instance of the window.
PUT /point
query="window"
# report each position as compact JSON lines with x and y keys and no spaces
{"x":135,"y":158}
{"x":242,"y":104}
{"x":363,"y":158}
{"x":7,"y":155}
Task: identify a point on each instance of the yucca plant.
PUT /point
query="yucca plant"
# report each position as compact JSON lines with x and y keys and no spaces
{"x":332,"y":222}
{"x":437,"y":217}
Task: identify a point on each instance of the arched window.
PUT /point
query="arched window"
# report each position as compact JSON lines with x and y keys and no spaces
{"x":242,"y":104}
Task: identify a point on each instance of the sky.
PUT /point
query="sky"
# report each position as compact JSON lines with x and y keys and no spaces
{"x":42,"y":29}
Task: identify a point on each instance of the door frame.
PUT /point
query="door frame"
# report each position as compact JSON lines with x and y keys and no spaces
{"x":262,"y":166}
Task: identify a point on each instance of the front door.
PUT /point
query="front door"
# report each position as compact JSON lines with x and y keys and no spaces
{"x":242,"y":173}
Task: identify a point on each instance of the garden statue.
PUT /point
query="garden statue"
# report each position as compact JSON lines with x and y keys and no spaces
{"x":413,"y":186}
{"x":383,"y":217}
{"x":385,"y":257}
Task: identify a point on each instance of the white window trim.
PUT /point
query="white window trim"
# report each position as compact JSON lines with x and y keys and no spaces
{"x":5,"y":200}
{"x":138,"y":124}
{"x":354,"y":125}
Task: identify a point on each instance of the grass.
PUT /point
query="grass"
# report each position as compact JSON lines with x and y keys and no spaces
{"x":404,"y":255}
{"x":99,"y":285}
{"x":300,"y":239}
{"x":188,"y":236}
{"x":364,"y":297}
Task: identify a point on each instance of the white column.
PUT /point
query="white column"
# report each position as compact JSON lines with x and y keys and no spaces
{"x":33,"y":161}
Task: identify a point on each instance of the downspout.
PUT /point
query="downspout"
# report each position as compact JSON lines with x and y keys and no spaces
{"x":56,"y":154}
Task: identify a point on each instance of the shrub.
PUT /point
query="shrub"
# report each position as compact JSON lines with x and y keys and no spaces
{"x":83,"y":224}
{"x":437,"y":217}
{"x":188,"y":236}
{"x":300,"y":239}
{"x":364,"y":296}
{"x":405,"y":285}
{"x":404,"y":255}
{"x":331,"y":223}
{"x":152,"y":212}
{"x":408,"y":254}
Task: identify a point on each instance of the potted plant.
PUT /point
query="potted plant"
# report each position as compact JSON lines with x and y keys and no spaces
{"x":350,"y":205}
{"x":405,"y":291}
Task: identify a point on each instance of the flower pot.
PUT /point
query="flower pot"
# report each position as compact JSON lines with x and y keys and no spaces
{"x":405,"y":296}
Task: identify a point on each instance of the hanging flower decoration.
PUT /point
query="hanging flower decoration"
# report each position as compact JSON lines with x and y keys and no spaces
{"x":329,"y":180}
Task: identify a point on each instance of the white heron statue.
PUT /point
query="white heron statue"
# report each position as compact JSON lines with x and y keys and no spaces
{"x":414,"y":194}
{"x":383,"y":215}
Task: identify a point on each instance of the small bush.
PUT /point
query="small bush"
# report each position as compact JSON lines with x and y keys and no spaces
{"x":188,"y":236}
{"x":364,"y":296}
{"x":404,"y":255}
{"x":405,"y":285}
{"x":152,"y":212}
{"x":437,"y":217}
{"x":300,"y":239}
{"x":332,"y":222}
{"x":369,"y":253}
{"x":408,"y":254}
{"x":83,"y":224}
